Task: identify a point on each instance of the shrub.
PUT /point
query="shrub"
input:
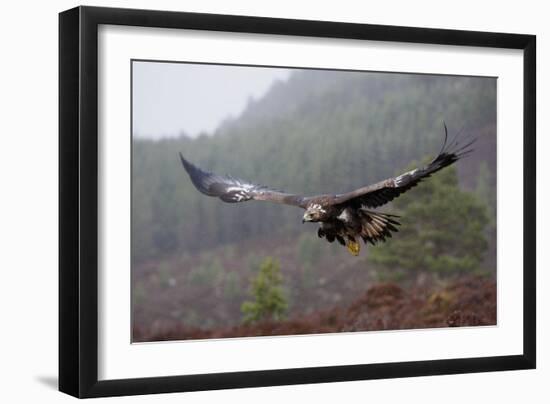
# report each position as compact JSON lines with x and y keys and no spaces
{"x":269,"y":300}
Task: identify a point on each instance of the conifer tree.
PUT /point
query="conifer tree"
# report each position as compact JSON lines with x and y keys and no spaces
{"x":443,"y":229}
{"x":269,"y":300}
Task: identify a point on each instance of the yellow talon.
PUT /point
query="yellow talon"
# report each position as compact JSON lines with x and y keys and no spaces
{"x":353,"y":247}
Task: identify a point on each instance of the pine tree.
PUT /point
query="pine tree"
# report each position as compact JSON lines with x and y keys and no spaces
{"x":269,"y":300}
{"x":443,"y":229}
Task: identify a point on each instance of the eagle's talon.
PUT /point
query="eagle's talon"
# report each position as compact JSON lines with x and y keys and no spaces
{"x":353,"y":247}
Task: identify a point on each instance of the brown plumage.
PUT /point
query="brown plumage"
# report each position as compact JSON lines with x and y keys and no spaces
{"x":344,"y":217}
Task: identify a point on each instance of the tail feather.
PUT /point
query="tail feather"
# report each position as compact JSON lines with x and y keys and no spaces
{"x":373,"y":227}
{"x":377,"y":226}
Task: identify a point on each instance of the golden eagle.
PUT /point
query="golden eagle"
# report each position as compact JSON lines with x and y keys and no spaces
{"x":343,"y":217}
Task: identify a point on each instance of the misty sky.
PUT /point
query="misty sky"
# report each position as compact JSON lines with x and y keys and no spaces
{"x":170,"y":98}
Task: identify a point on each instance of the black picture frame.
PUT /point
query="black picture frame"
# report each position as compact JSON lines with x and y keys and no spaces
{"x":78,"y":201}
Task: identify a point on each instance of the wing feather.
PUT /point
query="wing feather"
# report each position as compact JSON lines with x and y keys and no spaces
{"x":230,"y":189}
{"x":385,"y":191}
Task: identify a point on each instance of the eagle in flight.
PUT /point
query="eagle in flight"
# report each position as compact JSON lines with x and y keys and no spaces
{"x":342,"y":217}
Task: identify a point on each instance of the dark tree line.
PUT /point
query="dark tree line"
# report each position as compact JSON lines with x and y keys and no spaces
{"x":319,"y":132}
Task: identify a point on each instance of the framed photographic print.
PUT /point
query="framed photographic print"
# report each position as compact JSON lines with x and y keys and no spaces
{"x":250,"y":201}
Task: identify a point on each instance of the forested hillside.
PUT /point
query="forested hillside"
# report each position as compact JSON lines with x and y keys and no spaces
{"x":319,"y":132}
{"x":194,"y":257}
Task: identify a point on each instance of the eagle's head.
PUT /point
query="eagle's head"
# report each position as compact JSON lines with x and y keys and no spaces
{"x":313,"y":213}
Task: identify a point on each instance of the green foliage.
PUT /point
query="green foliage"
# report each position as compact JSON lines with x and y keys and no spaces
{"x":269,"y":300}
{"x":443,"y":229}
{"x":319,"y":132}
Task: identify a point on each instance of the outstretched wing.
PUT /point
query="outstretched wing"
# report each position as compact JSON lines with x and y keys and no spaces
{"x":230,"y":189}
{"x":383,"y":192}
